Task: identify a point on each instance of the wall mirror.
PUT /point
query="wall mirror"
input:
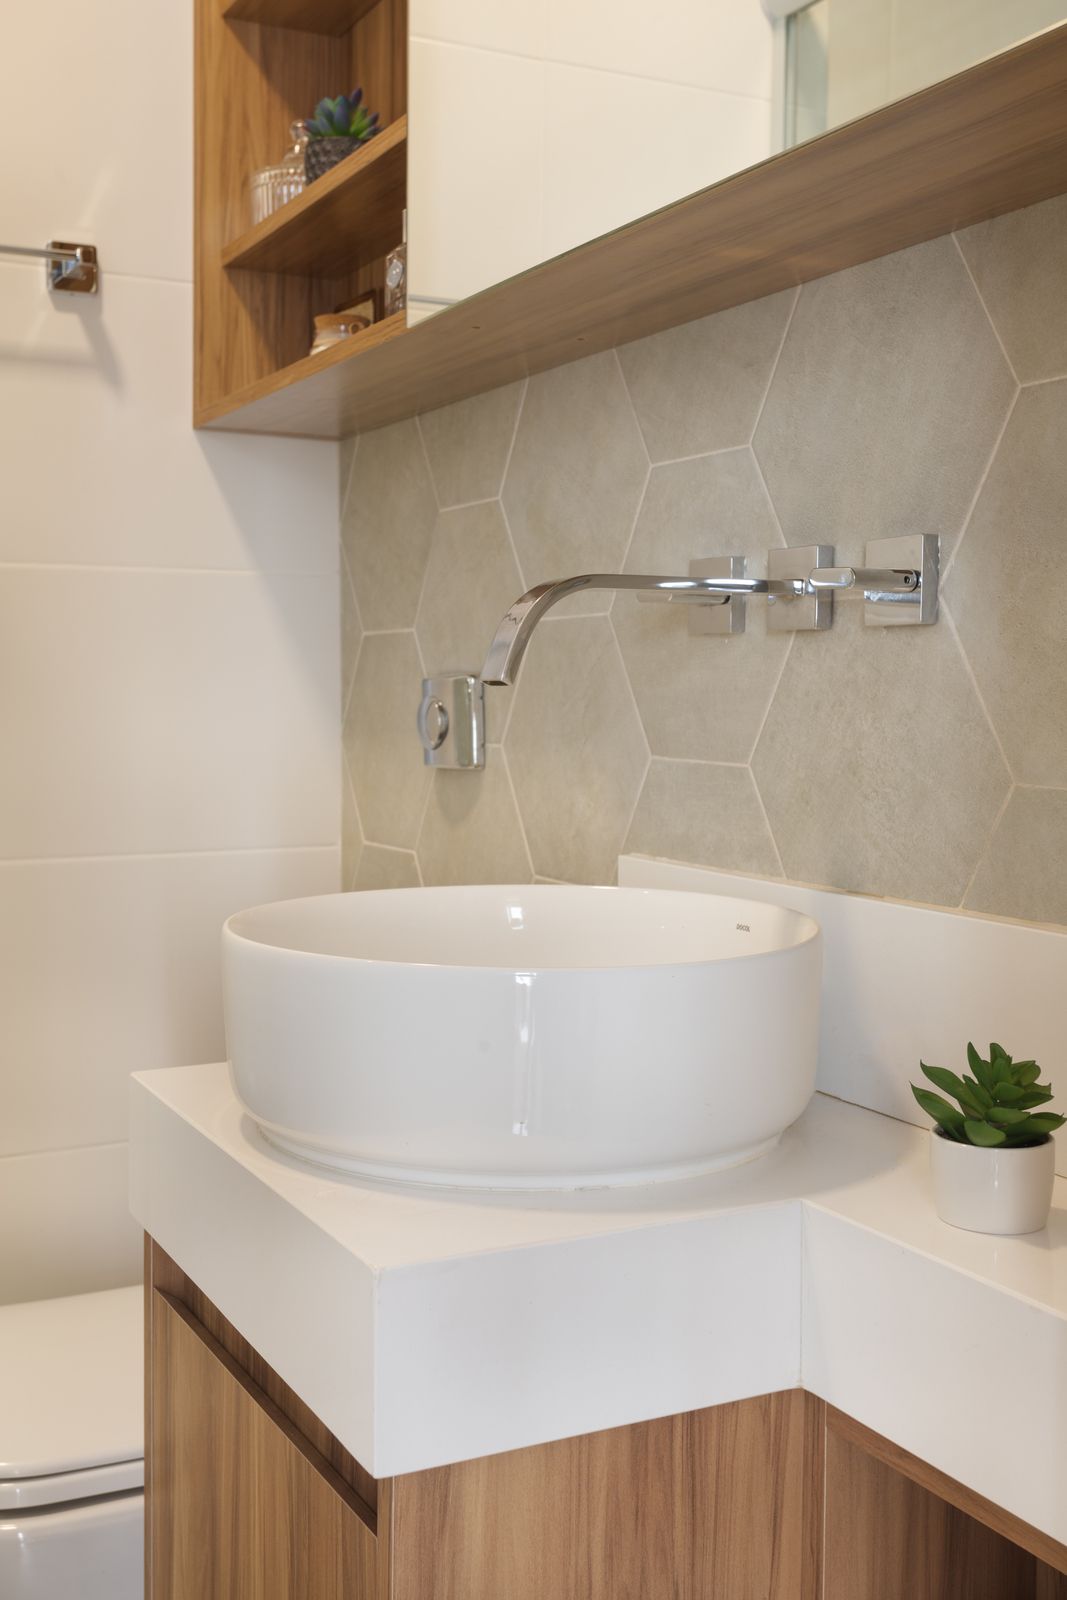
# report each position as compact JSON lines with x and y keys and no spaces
{"x":537,"y":125}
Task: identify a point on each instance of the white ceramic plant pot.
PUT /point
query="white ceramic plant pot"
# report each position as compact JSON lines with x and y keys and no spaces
{"x":992,"y":1191}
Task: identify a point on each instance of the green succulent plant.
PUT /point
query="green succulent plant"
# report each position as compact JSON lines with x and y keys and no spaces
{"x":995,"y":1104}
{"x":343,"y":118}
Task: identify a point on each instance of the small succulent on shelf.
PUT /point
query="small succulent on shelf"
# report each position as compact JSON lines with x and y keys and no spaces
{"x":995,"y":1105}
{"x":343,"y":118}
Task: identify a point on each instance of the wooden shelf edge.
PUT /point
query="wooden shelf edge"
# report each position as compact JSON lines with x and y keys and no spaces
{"x":343,"y":182}
{"x":990,"y":140}
{"x":1041,"y":1545}
{"x":381,"y":333}
{"x":330,"y":17}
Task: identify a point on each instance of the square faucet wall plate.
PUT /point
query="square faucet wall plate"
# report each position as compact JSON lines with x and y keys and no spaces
{"x":915,"y":552}
{"x":809,"y":611}
{"x":728,"y":618}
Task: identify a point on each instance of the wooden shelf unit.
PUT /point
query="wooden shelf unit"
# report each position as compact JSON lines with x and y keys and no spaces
{"x":989,"y":140}
{"x":346,"y":219}
{"x":261,"y":64}
{"x":331,"y":17}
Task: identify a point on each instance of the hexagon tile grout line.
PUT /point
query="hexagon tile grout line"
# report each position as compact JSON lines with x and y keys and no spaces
{"x":514,"y":547}
{"x":770,"y":379}
{"x":640,"y":722}
{"x":947,"y":566}
{"x":511,"y":447}
{"x":348,"y":586}
{"x":961,"y":647}
{"x":515,"y":803}
{"x":429,"y":467}
{"x":767,"y":492}
{"x":767,"y":820}
{"x":985,"y":308}
{"x":346,"y":488}
{"x":791,"y":640}
{"x":989,"y":842}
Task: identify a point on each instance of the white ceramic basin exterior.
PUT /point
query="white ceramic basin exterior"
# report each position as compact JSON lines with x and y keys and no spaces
{"x":518,"y":1036}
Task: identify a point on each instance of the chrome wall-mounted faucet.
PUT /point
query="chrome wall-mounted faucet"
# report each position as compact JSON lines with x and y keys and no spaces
{"x":900,"y":590}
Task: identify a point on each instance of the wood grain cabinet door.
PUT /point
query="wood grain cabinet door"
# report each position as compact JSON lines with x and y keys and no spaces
{"x":242,"y":1506}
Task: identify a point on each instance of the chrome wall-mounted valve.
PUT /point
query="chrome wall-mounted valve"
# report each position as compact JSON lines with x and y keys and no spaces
{"x":899,"y":587}
{"x":451,"y":721}
{"x":900,"y":592}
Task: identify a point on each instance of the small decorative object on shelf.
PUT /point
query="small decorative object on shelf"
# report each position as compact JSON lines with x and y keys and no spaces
{"x":993,"y":1160}
{"x":272,"y":187}
{"x":396,"y":276}
{"x":350,"y":318}
{"x":337,"y":128}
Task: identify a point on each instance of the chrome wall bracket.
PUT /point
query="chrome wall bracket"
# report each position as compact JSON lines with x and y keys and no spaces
{"x":451,"y":721}
{"x":71,"y":268}
{"x":712,"y":616}
{"x":800,"y":613}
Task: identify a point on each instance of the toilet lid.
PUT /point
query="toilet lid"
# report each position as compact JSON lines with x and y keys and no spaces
{"x":71,"y":1385}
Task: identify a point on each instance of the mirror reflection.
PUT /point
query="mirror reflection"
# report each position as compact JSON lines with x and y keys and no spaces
{"x":541,"y":124}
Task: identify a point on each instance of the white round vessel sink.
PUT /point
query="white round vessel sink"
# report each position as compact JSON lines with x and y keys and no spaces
{"x":523,"y":1036}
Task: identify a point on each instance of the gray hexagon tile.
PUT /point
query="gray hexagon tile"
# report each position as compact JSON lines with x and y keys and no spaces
{"x":1019,"y":263}
{"x":700,"y":387}
{"x":710,"y":815}
{"x":576,"y":750}
{"x":471,"y":832}
{"x":380,"y":742}
{"x":388,"y":524}
{"x":700,"y":698}
{"x":886,"y":402}
{"x":471,"y":580}
{"x":383,"y":868}
{"x":876,"y":764}
{"x":577,"y":471}
{"x":351,"y":832}
{"x":351,"y":633}
{"x":467,"y":444}
{"x":1007,"y":589}
{"x":346,"y":456}
{"x":1024,"y":873}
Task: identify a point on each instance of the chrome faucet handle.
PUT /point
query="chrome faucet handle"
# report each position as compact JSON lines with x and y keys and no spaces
{"x":900,"y":586}
{"x":888,"y":580}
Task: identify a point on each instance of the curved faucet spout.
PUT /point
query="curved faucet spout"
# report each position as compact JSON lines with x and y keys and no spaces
{"x":513,"y":635}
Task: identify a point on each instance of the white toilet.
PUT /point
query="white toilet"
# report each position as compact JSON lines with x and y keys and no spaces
{"x":72,"y":1448}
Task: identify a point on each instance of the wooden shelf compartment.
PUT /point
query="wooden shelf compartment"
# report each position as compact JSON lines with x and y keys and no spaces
{"x":257,"y":290}
{"x":346,"y":219}
{"x":990,"y":140}
{"x":330,"y":17}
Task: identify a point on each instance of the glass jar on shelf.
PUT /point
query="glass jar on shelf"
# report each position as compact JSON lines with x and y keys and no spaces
{"x":272,"y":187}
{"x":396,"y":276}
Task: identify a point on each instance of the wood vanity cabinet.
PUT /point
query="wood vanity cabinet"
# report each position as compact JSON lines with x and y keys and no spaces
{"x":249,"y":1497}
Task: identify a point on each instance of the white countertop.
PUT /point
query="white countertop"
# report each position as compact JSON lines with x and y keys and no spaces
{"x":426,"y":1326}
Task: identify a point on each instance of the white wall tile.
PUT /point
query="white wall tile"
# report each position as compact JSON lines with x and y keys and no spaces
{"x":147,"y":711}
{"x":192,"y":706}
{"x":100,"y":461}
{"x":474,"y":168}
{"x":710,"y":44}
{"x":687,"y":139}
{"x":518,"y":27}
{"x":108,"y":967}
{"x":98,"y":130}
{"x":65,"y":1224}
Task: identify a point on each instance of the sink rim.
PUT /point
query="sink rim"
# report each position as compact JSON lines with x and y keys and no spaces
{"x":807,"y":928}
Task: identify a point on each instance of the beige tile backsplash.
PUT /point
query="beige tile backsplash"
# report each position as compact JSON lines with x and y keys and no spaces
{"x":927,"y":392}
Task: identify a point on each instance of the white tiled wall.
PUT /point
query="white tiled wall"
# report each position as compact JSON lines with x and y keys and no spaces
{"x":169,"y":677}
{"x":538,"y":125}
{"x":881,"y":50}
